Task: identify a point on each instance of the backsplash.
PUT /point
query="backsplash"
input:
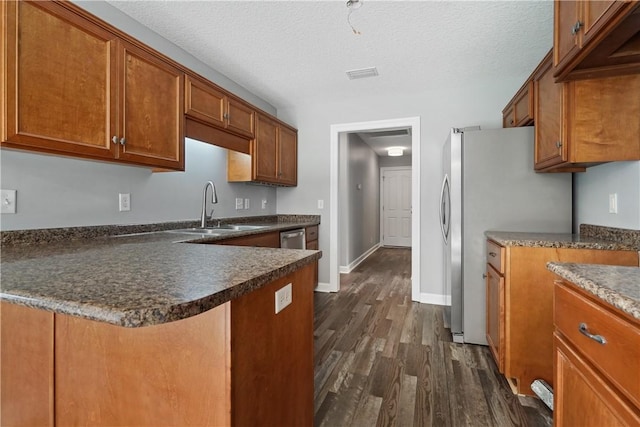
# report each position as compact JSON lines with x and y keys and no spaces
{"x":48,"y":235}
{"x":628,"y":236}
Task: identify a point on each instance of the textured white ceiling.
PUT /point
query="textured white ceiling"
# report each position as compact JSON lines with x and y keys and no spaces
{"x":291,"y":52}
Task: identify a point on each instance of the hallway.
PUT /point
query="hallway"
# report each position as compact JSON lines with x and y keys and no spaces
{"x":381,"y":359}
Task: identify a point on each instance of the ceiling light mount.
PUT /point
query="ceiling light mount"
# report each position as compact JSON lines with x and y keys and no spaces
{"x":395,"y":151}
{"x":353,"y":5}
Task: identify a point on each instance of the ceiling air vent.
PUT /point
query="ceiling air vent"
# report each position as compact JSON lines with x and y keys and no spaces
{"x":387,"y":133}
{"x":362,"y":73}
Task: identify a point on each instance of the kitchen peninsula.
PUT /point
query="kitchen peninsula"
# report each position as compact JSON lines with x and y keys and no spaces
{"x":152,"y":329}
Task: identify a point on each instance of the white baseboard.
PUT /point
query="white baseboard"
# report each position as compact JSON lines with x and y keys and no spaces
{"x":349,"y":268}
{"x":324,"y":287}
{"x":436,"y":299}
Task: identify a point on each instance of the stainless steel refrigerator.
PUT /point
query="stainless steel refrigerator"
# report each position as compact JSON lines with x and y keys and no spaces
{"x":489,"y":184}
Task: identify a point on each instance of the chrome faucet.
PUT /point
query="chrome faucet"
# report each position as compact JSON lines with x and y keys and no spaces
{"x":214,"y":199}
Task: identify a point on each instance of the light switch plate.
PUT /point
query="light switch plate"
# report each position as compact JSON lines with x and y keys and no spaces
{"x":613,"y":203}
{"x":8,"y":201}
{"x":239,"y":203}
{"x":320,"y":204}
{"x":264,"y":203}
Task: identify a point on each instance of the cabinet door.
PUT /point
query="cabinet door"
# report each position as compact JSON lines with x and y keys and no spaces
{"x":495,"y":315}
{"x":549,"y":139}
{"x":508,"y":120}
{"x":595,"y":15}
{"x":287,"y":156}
{"x":240,"y":117}
{"x":565,"y":39}
{"x":582,"y":398}
{"x":263,"y":150}
{"x":523,"y":106}
{"x":152,"y":95}
{"x":204,"y":102}
{"x":59,"y":80}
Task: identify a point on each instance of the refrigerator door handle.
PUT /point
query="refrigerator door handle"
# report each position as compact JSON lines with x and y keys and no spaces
{"x":444,"y":222}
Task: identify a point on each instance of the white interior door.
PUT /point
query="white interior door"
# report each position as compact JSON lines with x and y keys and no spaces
{"x":396,"y":206}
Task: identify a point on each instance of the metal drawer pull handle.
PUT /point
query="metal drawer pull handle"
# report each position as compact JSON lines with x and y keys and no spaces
{"x":598,"y":338}
{"x":493,"y":254}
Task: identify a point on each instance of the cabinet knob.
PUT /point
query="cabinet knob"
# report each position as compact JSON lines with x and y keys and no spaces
{"x":114,"y":139}
{"x":493,"y":254}
{"x":558,"y":144}
{"x":122,"y":141}
{"x":576,"y":27}
{"x":226,"y":115}
{"x":511,"y":121}
{"x":484,"y":276}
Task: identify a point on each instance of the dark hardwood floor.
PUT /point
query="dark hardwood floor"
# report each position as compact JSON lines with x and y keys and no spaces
{"x":381,"y":359}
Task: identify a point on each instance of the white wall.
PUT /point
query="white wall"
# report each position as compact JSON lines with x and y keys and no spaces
{"x":439,"y":110}
{"x":591,"y":195}
{"x":64,"y":192}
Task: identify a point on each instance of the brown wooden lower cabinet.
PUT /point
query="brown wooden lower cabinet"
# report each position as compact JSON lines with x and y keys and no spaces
{"x":595,"y":384}
{"x":520,"y":306}
{"x":237,"y":364}
{"x":263,"y":240}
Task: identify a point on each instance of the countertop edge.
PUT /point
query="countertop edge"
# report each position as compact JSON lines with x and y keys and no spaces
{"x":150,"y":316}
{"x":610,"y":296}
{"x":548,"y":242}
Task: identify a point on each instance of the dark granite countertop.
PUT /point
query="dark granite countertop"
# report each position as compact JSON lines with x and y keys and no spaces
{"x":557,"y":240}
{"x":144,"y":278}
{"x":615,"y":285}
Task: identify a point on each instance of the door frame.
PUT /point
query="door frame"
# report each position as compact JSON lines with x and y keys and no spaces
{"x":335,"y":130}
{"x":392,"y":168}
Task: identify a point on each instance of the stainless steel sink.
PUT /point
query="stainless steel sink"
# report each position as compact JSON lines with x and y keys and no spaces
{"x":239,"y":227}
{"x":198,"y":230}
{"x":217,"y":231}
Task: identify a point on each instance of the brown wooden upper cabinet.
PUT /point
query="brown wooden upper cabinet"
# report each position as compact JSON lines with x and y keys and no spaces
{"x":519,"y":111}
{"x":210,"y":104}
{"x":273,"y":158}
{"x":595,"y":39}
{"x":73,"y":87}
{"x":584,"y":122}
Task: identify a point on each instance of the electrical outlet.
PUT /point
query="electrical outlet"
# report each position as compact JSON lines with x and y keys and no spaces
{"x":8,"y":201}
{"x":246,"y":203}
{"x":264,"y":203}
{"x":239,"y":203}
{"x":283,"y":298}
{"x":320,"y":204}
{"x":125,"y":202}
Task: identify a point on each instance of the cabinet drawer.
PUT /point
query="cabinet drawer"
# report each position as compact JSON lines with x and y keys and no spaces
{"x":495,"y":256}
{"x":618,"y":357}
{"x":312,"y":233}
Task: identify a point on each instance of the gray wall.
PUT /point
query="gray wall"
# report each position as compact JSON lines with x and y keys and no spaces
{"x":591,"y":195}
{"x":391,"y":162}
{"x":439,"y":110}
{"x":63,"y":192}
{"x":359,"y":210}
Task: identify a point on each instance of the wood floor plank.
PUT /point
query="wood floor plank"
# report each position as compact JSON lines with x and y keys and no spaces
{"x":382,"y":359}
{"x":406,"y":403}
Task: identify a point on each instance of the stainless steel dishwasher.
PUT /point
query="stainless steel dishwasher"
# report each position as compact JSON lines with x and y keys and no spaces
{"x":293,"y":239}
